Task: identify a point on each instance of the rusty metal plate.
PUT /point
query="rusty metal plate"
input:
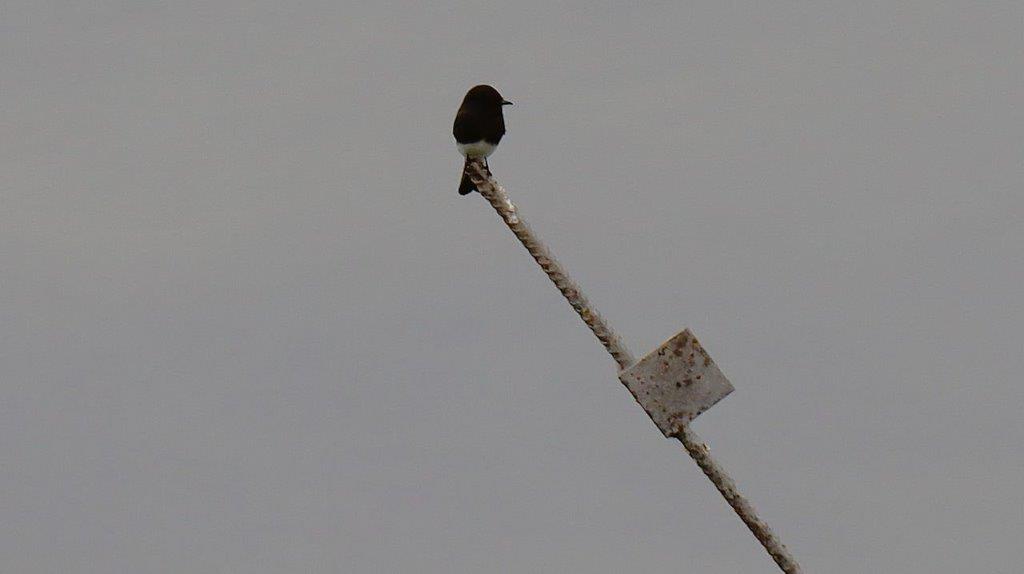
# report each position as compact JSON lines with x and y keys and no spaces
{"x":676,"y":382}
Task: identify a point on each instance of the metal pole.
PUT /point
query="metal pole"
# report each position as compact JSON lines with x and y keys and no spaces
{"x":698,"y":450}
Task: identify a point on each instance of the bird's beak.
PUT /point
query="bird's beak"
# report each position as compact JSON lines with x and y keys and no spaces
{"x":506,"y":103}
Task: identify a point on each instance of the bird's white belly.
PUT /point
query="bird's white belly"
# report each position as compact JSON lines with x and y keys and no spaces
{"x":476,"y":149}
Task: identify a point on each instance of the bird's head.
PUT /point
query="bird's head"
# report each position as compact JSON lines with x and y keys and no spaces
{"x":485,"y":97}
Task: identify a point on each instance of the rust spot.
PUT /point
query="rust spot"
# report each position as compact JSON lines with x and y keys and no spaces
{"x":680,"y":345}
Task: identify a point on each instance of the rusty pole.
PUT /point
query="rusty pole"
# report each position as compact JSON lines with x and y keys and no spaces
{"x":698,"y":450}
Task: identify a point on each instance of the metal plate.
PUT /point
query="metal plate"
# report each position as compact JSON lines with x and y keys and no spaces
{"x":676,"y":382}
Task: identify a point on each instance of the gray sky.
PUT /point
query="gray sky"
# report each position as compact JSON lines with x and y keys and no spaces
{"x":247,"y":324}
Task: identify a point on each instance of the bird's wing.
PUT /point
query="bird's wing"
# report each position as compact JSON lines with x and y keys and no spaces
{"x":465,"y":130}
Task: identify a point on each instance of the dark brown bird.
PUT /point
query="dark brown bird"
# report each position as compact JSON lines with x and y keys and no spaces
{"x":479,"y":125}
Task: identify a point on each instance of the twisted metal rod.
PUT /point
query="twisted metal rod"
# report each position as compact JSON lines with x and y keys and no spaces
{"x":698,"y":450}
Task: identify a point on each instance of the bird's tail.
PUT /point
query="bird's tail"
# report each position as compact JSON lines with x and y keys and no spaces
{"x":466,"y":185}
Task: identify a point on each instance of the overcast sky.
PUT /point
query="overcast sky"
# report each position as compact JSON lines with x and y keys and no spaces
{"x":248,"y":325}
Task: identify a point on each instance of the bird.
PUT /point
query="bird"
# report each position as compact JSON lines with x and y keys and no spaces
{"x":479,"y":125}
